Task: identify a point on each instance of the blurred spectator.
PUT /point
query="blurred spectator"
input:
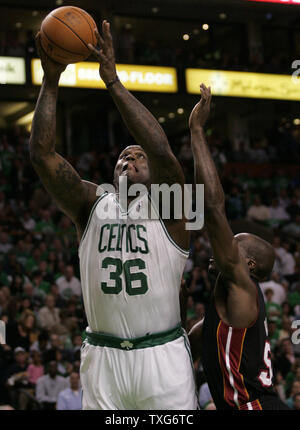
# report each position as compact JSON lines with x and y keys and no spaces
{"x":293,"y":209}
{"x":279,"y":292}
{"x":296,"y":402}
{"x":5,"y":244}
{"x":293,"y":228}
{"x":76,"y":346}
{"x":258,"y":211}
{"x":68,"y":284}
{"x":284,"y":262}
{"x":28,"y":222}
{"x":49,"y":386}
{"x":286,"y":358}
{"x":22,"y":333}
{"x":278,"y":215}
{"x":17,"y":378}
{"x":42,"y":344}
{"x":45,"y":225}
{"x":294,"y":295}
{"x":205,"y":399}
{"x":48,"y":316}
{"x":55,"y":345}
{"x":35,"y":370}
{"x":70,"y":398}
{"x":273,"y":310}
{"x":295,"y":390}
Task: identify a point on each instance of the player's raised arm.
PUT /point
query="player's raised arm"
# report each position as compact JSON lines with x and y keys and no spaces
{"x":74,"y":196}
{"x":140,"y":122}
{"x":227,"y":253}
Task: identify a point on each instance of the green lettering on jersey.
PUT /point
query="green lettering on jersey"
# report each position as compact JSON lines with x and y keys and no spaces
{"x":101,"y":237}
{"x":116,"y":267}
{"x":129,"y":239}
{"x":114,"y":276}
{"x":120,"y":237}
{"x":140,"y":276}
{"x":135,"y":242}
{"x":145,"y":249}
{"x":111,"y":237}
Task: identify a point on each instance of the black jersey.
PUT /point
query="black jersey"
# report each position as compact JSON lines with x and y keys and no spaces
{"x":237,"y":361}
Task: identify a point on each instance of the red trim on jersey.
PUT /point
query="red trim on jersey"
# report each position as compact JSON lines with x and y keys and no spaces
{"x":254,"y":406}
{"x":221,"y":341}
{"x":230,"y":343}
{"x":259,"y":405}
{"x":236,"y":351}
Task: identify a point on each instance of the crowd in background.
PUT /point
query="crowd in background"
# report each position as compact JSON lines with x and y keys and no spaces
{"x":40,"y":291}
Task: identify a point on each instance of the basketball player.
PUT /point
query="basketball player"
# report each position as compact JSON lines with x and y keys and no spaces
{"x":135,"y":355}
{"x":236,"y":354}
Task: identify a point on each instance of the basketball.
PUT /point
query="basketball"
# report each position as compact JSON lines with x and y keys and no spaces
{"x":66,"y":33}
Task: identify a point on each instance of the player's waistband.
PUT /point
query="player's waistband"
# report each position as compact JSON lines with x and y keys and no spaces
{"x":149,"y":341}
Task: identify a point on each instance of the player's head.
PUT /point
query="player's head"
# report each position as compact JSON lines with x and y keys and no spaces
{"x":258,"y":253}
{"x":133,"y":163}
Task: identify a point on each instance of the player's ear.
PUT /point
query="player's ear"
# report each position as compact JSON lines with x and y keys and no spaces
{"x":251,"y":264}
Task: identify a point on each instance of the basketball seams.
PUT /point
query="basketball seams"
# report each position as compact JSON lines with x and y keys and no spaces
{"x":63,"y":49}
{"x":85,"y":17}
{"x":73,"y":31}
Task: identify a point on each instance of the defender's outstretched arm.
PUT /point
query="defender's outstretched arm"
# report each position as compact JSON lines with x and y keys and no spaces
{"x":74,"y":196}
{"x":225,"y":247}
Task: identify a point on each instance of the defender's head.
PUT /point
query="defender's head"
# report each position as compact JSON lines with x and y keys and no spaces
{"x":133,"y":163}
{"x":258,"y":253}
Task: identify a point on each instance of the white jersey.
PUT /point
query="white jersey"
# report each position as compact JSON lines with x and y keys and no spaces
{"x":130,"y":271}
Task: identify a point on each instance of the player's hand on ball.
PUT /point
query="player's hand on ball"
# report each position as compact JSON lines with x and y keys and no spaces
{"x":52,"y":69}
{"x":105,"y":53}
{"x":201,"y":111}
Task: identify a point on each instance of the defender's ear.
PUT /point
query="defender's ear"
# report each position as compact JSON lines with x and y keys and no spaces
{"x":252,"y":264}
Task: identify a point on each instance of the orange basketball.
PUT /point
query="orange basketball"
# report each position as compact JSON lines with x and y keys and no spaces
{"x":65,"y":34}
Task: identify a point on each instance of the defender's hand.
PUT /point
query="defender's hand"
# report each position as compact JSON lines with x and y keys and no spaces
{"x":52,"y":69}
{"x":201,"y":111}
{"x":105,"y":54}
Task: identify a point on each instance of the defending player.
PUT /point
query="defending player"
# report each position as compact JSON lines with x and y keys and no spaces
{"x":236,"y":353}
{"x":135,"y":355}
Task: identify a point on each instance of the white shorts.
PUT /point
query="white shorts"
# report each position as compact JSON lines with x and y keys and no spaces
{"x":153,"y":378}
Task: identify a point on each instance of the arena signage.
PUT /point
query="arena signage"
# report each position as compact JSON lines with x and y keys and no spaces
{"x":136,"y":78}
{"x":12,"y":70}
{"x":278,"y":1}
{"x":243,"y":84}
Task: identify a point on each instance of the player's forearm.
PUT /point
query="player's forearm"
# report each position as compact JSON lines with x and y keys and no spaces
{"x":43,"y":132}
{"x":206,"y":172}
{"x":140,"y":122}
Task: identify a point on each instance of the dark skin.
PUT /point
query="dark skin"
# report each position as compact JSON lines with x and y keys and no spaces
{"x":235,"y":292}
{"x":75,"y":196}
